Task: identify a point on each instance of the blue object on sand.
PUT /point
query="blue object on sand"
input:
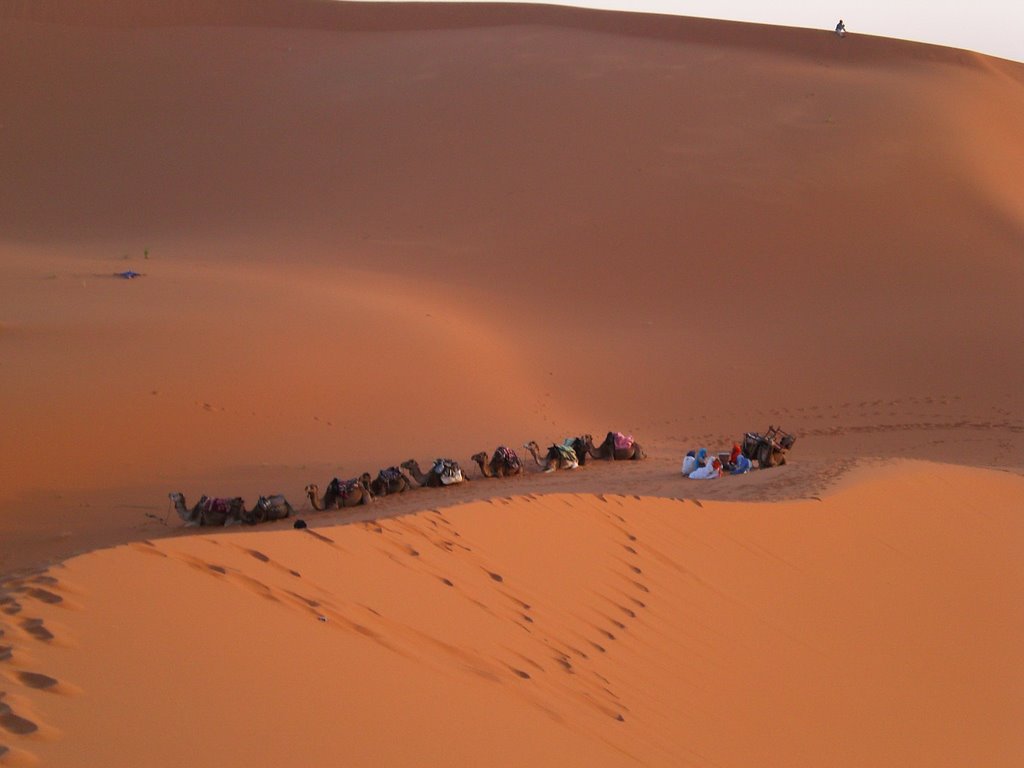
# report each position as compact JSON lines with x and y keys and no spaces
{"x":129,"y":274}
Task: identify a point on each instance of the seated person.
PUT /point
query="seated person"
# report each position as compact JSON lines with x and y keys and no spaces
{"x":709,"y":471}
{"x":694,"y":460}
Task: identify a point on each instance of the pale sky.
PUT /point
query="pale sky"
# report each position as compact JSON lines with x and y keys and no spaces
{"x":995,"y":27}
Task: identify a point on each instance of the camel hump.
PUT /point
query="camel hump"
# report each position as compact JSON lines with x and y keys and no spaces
{"x":507,"y":455}
{"x":567,"y":452}
{"x":622,"y":442}
{"x":218,"y":505}
{"x":449,"y":471}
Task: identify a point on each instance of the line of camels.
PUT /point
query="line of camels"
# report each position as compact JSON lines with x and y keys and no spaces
{"x":340,"y":494}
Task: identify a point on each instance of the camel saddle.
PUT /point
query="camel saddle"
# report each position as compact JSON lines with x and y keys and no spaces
{"x":390,"y":475}
{"x":508,"y":456}
{"x":449,"y":470}
{"x":343,"y":488}
{"x":217,"y":506}
{"x":567,"y":451}
{"x":622,"y":442}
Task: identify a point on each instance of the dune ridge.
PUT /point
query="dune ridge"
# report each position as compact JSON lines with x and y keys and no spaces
{"x":608,"y":628}
{"x":366,"y":233}
{"x":486,"y":225}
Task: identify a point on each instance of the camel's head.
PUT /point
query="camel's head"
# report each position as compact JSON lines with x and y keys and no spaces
{"x":175,"y":496}
{"x":532,"y":446}
{"x":365,"y":479}
{"x":479,"y":458}
{"x":312,"y":489}
{"x":411,"y":464}
{"x":588,"y":441}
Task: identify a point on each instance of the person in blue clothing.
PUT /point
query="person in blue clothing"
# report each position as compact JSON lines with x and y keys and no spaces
{"x":841,"y":29}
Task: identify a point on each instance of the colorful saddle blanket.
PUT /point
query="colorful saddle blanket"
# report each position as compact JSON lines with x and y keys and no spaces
{"x":390,"y":475}
{"x":567,"y":453}
{"x":507,"y":456}
{"x":218,"y":506}
{"x":270,"y":502}
{"x":342,"y":488}
{"x":622,"y":442}
{"x":449,"y":470}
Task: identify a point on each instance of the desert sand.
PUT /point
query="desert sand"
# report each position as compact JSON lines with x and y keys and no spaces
{"x":374,"y":232}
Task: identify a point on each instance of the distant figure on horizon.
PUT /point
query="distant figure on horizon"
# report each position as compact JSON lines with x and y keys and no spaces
{"x":841,"y":29}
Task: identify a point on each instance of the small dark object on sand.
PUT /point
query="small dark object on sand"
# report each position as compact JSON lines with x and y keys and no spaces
{"x":300,"y":523}
{"x":130,"y":274}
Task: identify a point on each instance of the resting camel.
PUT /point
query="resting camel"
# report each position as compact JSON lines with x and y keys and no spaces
{"x":209,"y":511}
{"x":339,"y":494}
{"x":504,"y":463}
{"x":438,"y":474}
{"x":582,"y":446}
{"x":558,"y":457}
{"x":390,"y":480}
{"x":607,"y":449}
{"x":274,"y":507}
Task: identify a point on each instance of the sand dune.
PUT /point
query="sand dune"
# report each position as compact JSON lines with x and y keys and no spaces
{"x":374,"y":232}
{"x":368,"y":233}
{"x":878,"y":625}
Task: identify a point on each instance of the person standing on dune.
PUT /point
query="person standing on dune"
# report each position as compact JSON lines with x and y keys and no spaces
{"x":841,"y":29}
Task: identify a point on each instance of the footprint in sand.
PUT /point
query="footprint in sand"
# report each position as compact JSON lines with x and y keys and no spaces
{"x":37,"y":680}
{"x":44,"y":596}
{"x":9,"y":605}
{"x":35,"y":628}
{"x":16,"y":724}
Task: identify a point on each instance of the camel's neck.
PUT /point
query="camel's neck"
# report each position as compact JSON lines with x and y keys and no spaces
{"x":536,"y":457}
{"x":316,"y":504}
{"x":485,"y":468}
{"x":417,"y":475}
{"x":183,"y":511}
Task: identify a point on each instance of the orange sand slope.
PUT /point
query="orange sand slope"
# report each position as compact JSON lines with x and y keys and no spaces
{"x":372,"y":232}
{"x":879,"y":626}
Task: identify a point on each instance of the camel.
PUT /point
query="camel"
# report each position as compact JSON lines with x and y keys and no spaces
{"x":610,"y":450}
{"x":443,"y":472}
{"x":274,"y":507}
{"x":558,"y":457}
{"x":209,"y":511}
{"x":390,"y":480}
{"x":339,"y":494}
{"x":504,"y":463}
{"x":582,"y":446}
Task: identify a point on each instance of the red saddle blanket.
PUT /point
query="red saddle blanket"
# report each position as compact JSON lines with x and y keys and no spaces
{"x":622,"y":442}
{"x":217,"y":506}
